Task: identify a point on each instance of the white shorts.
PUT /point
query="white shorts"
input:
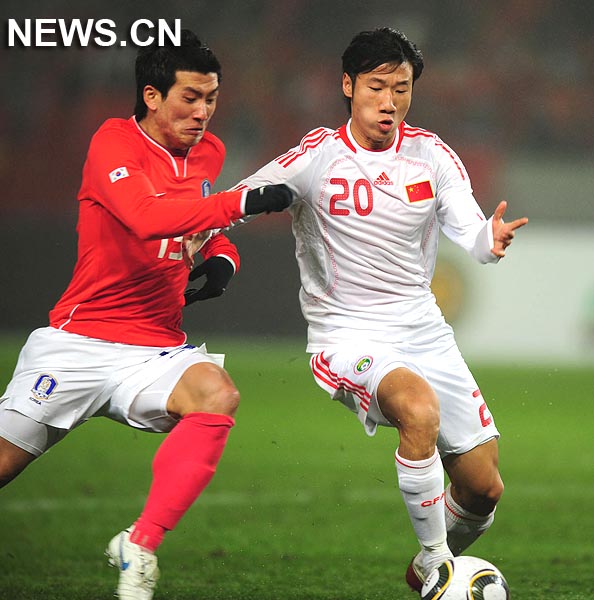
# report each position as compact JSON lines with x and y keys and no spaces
{"x":62,"y":379}
{"x":352,"y":374}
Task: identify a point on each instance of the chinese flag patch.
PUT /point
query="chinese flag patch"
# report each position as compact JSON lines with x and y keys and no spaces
{"x":419,"y":191}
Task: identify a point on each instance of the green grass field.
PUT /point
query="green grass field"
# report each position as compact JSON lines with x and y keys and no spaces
{"x":304,"y":505}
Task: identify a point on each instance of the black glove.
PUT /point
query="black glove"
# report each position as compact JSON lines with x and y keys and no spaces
{"x":218,"y":271}
{"x":269,"y":198}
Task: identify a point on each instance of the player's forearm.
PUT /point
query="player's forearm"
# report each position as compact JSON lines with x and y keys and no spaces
{"x":476,"y":238}
{"x":483,"y":243}
{"x":153,"y":218}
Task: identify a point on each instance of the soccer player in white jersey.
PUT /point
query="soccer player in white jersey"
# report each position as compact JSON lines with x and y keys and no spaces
{"x":372,"y":197}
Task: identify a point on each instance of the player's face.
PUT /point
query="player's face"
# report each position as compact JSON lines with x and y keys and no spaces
{"x":380,"y":100}
{"x":179,"y":120}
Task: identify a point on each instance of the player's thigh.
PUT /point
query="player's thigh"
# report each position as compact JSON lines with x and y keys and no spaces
{"x":143,"y":399}
{"x":22,"y":439}
{"x":408,"y":401}
{"x":352,"y":375}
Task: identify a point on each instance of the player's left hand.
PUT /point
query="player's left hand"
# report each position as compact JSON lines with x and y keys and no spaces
{"x":269,"y":198}
{"x":218,"y":271}
{"x":503,"y":233}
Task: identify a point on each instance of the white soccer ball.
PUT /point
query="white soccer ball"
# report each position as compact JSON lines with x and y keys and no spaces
{"x":465,"y":578}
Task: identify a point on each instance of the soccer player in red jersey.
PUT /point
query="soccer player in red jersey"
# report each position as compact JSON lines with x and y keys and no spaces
{"x":372,"y":197}
{"x":114,"y":346}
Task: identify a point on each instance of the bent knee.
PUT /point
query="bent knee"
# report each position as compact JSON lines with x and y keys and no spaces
{"x":494,"y":492}
{"x":227,"y":401}
{"x":489,"y":489}
{"x":412,"y":406}
{"x":204,"y":387}
{"x":483,"y":495}
{"x":421,"y":413}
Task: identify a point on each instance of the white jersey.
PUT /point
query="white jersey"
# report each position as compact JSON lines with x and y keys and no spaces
{"x":366,"y":225}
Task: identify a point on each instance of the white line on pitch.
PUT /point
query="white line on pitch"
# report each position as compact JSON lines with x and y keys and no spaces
{"x":388,"y":494}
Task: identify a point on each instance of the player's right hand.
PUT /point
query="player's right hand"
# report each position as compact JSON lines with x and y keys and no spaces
{"x":269,"y":198}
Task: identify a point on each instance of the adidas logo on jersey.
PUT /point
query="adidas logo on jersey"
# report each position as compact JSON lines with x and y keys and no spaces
{"x":383,"y":179}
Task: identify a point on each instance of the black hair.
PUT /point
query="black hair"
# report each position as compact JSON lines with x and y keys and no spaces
{"x":157,"y":65}
{"x":370,"y":49}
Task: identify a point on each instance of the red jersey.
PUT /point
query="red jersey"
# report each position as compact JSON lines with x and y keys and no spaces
{"x":136,"y":201}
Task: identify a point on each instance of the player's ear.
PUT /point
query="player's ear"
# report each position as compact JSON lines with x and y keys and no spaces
{"x":347,"y":85}
{"x":152,"y":97}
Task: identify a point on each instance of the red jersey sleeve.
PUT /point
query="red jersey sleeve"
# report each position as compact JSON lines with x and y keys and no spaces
{"x":219,"y":245}
{"x":114,"y":176}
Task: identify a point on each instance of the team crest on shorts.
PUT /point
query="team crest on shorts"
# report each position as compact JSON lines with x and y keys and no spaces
{"x":363,"y":364}
{"x":44,"y":386}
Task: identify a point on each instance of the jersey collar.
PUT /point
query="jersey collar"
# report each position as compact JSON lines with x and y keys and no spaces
{"x":347,"y":137}
{"x":170,"y":156}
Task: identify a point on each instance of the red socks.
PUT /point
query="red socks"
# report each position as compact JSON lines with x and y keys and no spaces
{"x":183,"y":466}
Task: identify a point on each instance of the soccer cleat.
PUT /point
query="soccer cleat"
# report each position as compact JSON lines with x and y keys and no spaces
{"x":414,"y":574}
{"x":138,"y":568}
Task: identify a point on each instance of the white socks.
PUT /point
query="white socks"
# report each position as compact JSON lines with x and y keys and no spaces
{"x":463,"y":527}
{"x":421,"y":484}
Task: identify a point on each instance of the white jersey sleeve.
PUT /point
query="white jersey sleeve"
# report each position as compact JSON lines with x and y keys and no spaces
{"x":292,"y":167}
{"x":460,"y":216}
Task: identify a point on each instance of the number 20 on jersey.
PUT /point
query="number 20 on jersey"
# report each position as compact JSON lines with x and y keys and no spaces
{"x":361,"y":194}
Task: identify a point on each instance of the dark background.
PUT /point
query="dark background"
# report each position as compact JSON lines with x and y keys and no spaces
{"x":509,"y":85}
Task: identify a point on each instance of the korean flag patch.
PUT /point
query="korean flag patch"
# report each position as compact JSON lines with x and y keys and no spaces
{"x":119,"y":173}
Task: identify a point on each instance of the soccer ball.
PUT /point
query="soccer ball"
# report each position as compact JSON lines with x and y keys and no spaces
{"x":465,"y":578}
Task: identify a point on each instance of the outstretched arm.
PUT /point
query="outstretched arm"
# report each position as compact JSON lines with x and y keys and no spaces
{"x":503,"y":233}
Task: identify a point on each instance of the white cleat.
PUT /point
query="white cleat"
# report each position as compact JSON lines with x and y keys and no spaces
{"x":137,"y":566}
